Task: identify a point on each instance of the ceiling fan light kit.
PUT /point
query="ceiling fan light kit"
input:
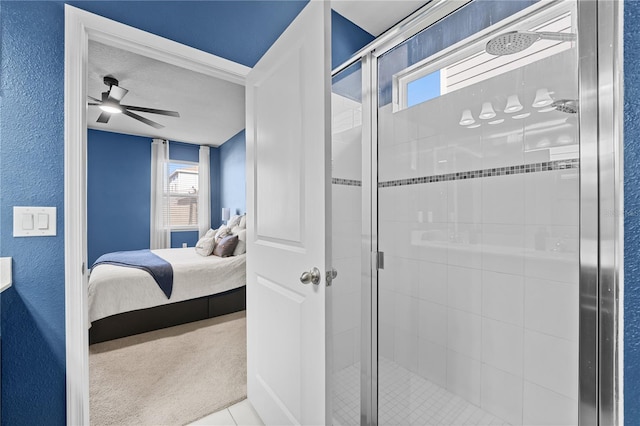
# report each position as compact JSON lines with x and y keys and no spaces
{"x":111,"y":107}
{"x":110,"y":104}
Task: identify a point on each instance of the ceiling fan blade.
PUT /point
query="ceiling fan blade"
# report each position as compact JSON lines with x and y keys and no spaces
{"x":94,"y":99}
{"x":117,"y":93}
{"x":144,"y":120}
{"x":104,"y":117}
{"x":152,"y":110}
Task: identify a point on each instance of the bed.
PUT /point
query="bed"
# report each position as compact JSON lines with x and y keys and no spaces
{"x":125,"y":301}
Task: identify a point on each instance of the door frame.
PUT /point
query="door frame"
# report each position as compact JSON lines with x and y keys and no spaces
{"x":80,"y":27}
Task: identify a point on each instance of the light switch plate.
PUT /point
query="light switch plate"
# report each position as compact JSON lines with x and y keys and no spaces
{"x":40,"y":220}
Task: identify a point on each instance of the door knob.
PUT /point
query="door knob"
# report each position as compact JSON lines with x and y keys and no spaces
{"x":313,"y":276}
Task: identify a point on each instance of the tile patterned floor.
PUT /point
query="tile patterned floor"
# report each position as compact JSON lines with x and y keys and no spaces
{"x":346,"y":396}
{"x":405,"y":399}
{"x":240,"y":414}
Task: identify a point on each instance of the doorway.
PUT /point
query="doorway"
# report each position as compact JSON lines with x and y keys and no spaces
{"x":80,"y":27}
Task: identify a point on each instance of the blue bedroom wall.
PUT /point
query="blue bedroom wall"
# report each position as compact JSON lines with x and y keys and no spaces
{"x":118,"y":192}
{"x":32,"y":172}
{"x":190,"y":238}
{"x":631,"y":214}
{"x":181,"y":151}
{"x":233,"y":174}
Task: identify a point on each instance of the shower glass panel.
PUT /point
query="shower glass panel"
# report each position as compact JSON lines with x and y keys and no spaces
{"x":346,"y":149}
{"x":478,"y":214}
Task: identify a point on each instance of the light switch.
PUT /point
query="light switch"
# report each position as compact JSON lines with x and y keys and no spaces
{"x":27,"y":221}
{"x":43,"y":221}
{"x":34,"y":221}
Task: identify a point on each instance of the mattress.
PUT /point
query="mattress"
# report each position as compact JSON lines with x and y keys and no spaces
{"x":116,"y":289}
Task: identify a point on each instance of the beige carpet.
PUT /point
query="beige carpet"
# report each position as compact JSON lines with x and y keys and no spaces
{"x":171,"y":376}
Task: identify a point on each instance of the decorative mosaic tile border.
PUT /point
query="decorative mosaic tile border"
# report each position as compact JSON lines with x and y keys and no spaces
{"x":347,"y":182}
{"x":572,"y":163}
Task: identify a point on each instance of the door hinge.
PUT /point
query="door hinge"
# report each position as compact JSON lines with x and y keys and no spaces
{"x":379,"y":255}
{"x":82,"y":268}
{"x":330,"y":276}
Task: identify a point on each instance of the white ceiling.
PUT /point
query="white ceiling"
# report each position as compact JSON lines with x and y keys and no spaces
{"x":211,"y":110}
{"x":376,"y":16}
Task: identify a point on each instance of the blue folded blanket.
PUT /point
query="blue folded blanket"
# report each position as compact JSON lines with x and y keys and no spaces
{"x":160,"y":269}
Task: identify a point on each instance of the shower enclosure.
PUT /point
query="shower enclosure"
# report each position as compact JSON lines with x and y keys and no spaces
{"x":474,"y":287}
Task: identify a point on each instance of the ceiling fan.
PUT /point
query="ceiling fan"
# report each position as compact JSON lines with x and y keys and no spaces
{"x":110,"y":104}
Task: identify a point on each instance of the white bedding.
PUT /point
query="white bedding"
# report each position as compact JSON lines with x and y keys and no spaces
{"x":116,"y":289}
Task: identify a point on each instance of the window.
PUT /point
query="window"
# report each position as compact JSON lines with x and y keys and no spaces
{"x":446,"y":72}
{"x":423,"y":88}
{"x":183,"y":195}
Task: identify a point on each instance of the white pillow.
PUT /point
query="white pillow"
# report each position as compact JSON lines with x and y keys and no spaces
{"x":206,"y":244}
{"x":222,"y":232}
{"x":241,"y":248}
{"x":234,"y":221}
{"x":243,"y":221}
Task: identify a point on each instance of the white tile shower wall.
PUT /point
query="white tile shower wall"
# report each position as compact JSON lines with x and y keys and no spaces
{"x":501,"y":394}
{"x":346,"y":288}
{"x":487,"y":268}
{"x":542,"y":406}
{"x":432,"y":362}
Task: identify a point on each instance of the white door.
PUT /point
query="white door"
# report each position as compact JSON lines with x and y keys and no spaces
{"x":288,"y":147}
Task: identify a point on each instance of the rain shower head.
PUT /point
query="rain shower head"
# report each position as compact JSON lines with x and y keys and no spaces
{"x":517,"y":41}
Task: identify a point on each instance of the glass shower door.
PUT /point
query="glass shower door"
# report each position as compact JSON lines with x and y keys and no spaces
{"x":478,"y":215}
{"x":346,"y":179}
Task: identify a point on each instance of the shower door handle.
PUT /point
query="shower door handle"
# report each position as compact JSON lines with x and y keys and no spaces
{"x":313,"y":276}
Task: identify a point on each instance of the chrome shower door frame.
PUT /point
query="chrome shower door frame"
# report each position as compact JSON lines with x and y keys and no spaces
{"x":601,"y":210}
{"x":369,"y":247}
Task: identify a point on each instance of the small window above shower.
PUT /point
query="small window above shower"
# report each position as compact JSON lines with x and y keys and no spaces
{"x":508,"y":45}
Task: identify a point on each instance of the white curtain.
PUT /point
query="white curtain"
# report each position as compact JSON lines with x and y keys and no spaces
{"x":204,"y":192}
{"x":160,"y":225}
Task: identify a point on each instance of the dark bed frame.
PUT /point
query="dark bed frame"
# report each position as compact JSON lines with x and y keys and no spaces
{"x":143,"y":320}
